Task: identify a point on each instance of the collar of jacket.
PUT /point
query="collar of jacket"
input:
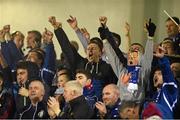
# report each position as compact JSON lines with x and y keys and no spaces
{"x":76,"y":101}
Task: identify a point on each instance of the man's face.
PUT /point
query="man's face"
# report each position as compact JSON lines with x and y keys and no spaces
{"x":22,"y":76}
{"x":82,"y":79}
{"x":31,"y":40}
{"x":62,"y":79}
{"x":68,"y":94}
{"x":93,"y":52}
{"x":175,"y":67}
{"x":136,"y":48}
{"x":36,"y":91}
{"x":19,"y":40}
{"x":168,"y":47}
{"x":158,"y":79}
{"x":133,"y":58}
{"x":171,"y":28}
{"x":110,"y":97}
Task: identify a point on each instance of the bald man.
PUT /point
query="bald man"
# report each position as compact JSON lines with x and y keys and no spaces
{"x":108,"y":109}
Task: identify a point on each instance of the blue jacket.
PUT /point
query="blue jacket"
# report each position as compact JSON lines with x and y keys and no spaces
{"x":90,"y":95}
{"x":167,"y":96}
{"x":48,"y":68}
{"x":11,"y":54}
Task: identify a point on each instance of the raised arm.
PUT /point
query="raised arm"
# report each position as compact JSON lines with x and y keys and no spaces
{"x":9,"y":49}
{"x":7,"y":32}
{"x":81,"y":33}
{"x":106,"y":34}
{"x":169,"y":88}
{"x":70,"y":52}
{"x":48,"y":69}
{"x":147,"y":57}
{"x":127,"y":34}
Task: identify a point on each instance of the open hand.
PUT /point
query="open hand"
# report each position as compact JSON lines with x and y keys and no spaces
{"x":101,"y":107}
{"x":73,"y":22}
{"x":160,"y":51}
{"x":127,"y":28}
{"x":125,"y":78}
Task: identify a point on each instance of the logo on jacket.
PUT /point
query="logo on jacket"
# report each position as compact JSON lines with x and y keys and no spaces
{"x":41,"y":114}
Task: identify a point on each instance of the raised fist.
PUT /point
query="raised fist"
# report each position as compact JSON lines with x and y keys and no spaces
{"x":54,"y":23}
{"x":6,"y":28}
{"x":103,"y":20}
{"x":47,"y":36}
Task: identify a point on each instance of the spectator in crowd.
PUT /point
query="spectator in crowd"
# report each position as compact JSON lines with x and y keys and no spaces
{"x":102,"y":72}
{"x":26,"y":71}
{"x":168,"y":45}
{"x":63,"y":76}
{"x":18,"y":38}
{"x":118,"y":67}
{"x":77,"y":106}
{"x":45,"y":59}
{"x":173,"y":32}
{"x":164,"y":100}
{"x":109,"y":108}
{"x":85,"y":79}
{"x":33,"y":39}
{"x":175,"y":67}
{"x":37,"y":109}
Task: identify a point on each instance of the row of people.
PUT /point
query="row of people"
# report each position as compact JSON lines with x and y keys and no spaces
{"x":96,"y":80}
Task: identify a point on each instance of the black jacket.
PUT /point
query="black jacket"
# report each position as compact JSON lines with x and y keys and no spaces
{"x":102,"y":71}
{"x":34,"y":112}
{"x":77,"y":108}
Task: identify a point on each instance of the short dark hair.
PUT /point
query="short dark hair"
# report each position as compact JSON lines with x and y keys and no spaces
{"x":32,"y":69}
{"x":174,"y":18}
{"x":65,"y":72}
{"x":85,"y":72}
{"x":38,"y":37}
{"x":97,"y":41}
